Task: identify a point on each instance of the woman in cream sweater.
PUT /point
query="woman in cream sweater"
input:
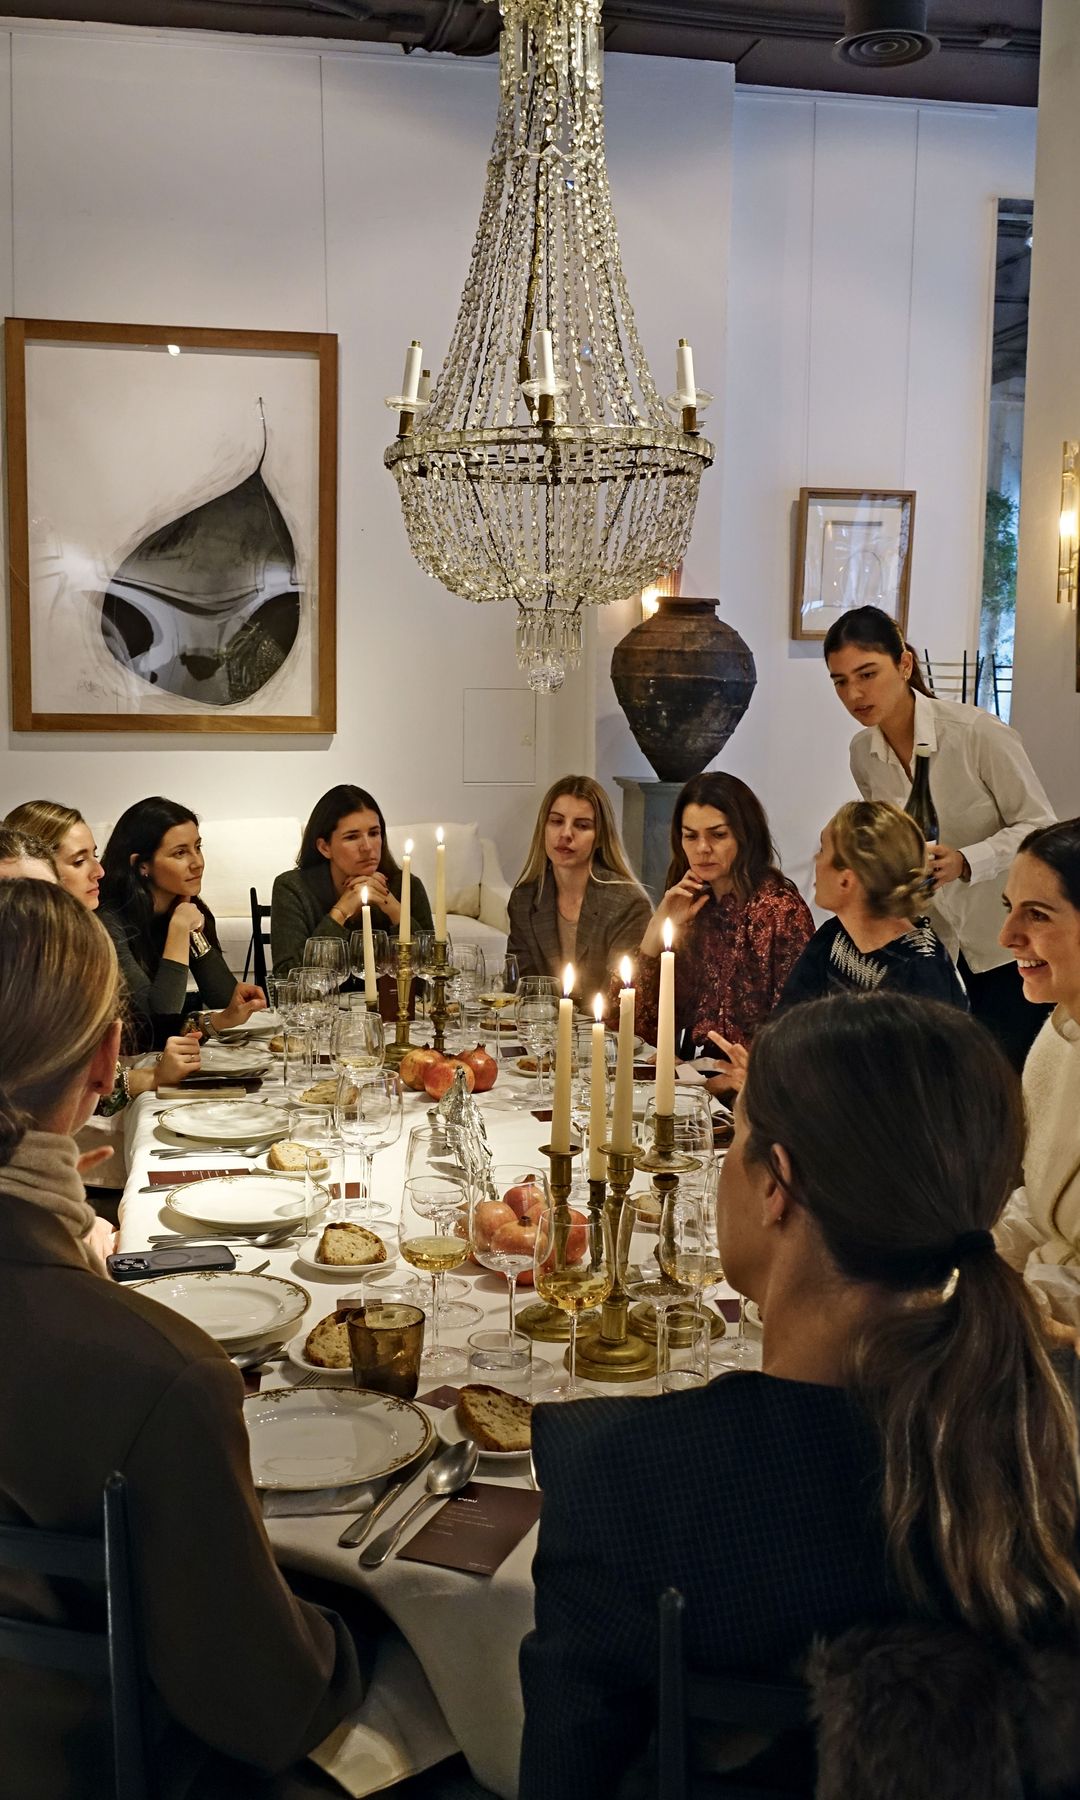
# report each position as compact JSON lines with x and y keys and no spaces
{"x":1040,"y":1231}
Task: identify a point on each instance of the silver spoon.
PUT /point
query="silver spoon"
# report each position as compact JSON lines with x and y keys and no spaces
{"x":450,"y":1471}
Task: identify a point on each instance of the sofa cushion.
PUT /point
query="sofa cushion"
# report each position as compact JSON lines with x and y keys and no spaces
{"x":464,"y":862}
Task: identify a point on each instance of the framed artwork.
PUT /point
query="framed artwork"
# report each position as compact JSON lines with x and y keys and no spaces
{"x":852,"y":548}
{"x":172,"y":527}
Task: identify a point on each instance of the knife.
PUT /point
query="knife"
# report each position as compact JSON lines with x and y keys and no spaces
{"x":357,"y":1531}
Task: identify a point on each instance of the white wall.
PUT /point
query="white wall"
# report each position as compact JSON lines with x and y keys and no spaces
{"x":858,"y":321}
{"x":207,"y":180}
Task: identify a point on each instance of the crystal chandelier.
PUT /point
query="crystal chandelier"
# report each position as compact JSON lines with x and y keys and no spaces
{"x":543,"y":467}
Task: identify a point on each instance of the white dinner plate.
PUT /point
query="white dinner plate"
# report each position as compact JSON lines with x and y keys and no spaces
{"x":238,"y":1311}
{"x":306,"y":1254}
{"x":241,"y":1202}
{"x":260,"y":1024}
{"x":225,"y":1121}
{"x":451,"y":1432}
{"x":307,"y":1438}
{"x":233,"y":1059}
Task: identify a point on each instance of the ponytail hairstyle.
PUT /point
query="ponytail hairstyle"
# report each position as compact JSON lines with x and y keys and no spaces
{"x":1058,"y":846}
{"x":756,"y":856}
{"x":20,"y":846}
{"x":981,"y":1484}
{"x":868,"y":628}
{"x":885,"y":851}
{"x":46,"y":820}
{"x":125,"y":893}
{"x":326,"y":815}
{"x":59,"y":993}
{"x":609,"y":864}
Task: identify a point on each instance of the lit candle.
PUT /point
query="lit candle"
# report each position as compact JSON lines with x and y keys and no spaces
{"x":440,"y":886}
{"x":371,"y":990}
{"x":598,"y":1096}
{"x":684,"y":374}
{"x":622,"y":1110}
{"x":405,"y":926}
{"x":564,"y":1055}
{"x":545,"y":362}
{"x":410,"y":384}
{"x":665,"y":1028}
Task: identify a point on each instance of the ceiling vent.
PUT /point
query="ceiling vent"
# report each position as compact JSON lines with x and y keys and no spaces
{"x":884,"y":34}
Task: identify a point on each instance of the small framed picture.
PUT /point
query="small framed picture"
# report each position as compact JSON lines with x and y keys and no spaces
{"x":852,"y":548}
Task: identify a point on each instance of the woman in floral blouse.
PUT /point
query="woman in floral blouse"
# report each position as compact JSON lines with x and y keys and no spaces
{"x":740,"y":925}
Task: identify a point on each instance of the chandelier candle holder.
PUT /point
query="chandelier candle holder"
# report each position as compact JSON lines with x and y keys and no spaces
{"x":545,"y":468}
{"x":613,"y":1350}
{"x":547,"y":1323}
{"x":441,"y":973}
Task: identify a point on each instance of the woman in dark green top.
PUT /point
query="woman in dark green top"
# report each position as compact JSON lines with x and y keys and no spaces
{"x":343,"y":851}
{"x":163,"y":931}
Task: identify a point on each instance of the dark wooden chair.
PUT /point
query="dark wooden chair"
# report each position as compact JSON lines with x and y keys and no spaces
{"x":260,"y":940}
{"x":113,"y":1654}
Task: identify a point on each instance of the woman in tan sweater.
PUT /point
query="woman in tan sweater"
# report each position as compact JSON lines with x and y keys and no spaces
{"x":1040,"y":1231}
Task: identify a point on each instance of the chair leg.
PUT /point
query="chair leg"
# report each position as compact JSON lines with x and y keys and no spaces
{"x":671,"y":1711}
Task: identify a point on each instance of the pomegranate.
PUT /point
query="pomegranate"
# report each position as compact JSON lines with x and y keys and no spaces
{"x":483,"y":1066}
{"x":488,"y":1217}
{"x":414,"y":1063}
{"x":519,"y":1239}
{"x":439,"y":1076}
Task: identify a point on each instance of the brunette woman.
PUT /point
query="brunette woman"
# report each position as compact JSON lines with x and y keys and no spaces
{"x":162,"y":930}
{"x":343,"y":851}
{"x":986,"y":794}
{"x":906,"y":1452}
{"x":576,"y":900}
{"x":740,"y":924}
{"x":71,"y":841}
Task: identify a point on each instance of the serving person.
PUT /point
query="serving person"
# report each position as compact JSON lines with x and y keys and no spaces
{"x":25,"y":858}
{"x":344,"y":849}
{"x":240,"y":1667}
{"x":985,"y":791}
{"x":1040,"y":1232}
{"x":740,"y":924}
{"x":865,"y":1478}
{"x":162,"y":930}
{"x":69,"y":837}
{"x":576,"y":899}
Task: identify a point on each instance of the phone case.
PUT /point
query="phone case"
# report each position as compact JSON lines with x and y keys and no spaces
{"x":143,"y":1265}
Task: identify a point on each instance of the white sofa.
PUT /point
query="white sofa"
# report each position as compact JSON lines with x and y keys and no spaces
{"x":247,"y":853}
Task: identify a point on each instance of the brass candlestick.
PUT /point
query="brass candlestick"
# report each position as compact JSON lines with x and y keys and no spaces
{"x":396,"y":1051}
{"x":550,"y":1324}
{"x":442,"y":973}
{"x":689,"y":420}
{"x":406,"y":421}
{"x":664,"y":1165}
{"x":612,"y":1350}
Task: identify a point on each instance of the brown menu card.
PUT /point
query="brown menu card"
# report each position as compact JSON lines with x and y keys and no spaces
{"x":477,"y":1529}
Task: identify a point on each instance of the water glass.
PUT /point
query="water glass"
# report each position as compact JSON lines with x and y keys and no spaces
{"x":501,"y":1359}
{"x":312,"y":1127}
{"x":368,"y":1115}
{"x":386,"y":1339}
{"x":300,"y":1051}
{"x":688,"y":1360}
{"x":435,"y":1238}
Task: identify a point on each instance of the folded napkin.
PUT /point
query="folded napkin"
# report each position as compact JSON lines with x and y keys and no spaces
{"x":357,"y":1498}
{"x":398,"y":1730}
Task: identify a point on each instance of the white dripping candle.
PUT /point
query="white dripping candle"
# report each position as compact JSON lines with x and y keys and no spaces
{"x":371,"y":989}
{"x":598,"y":1096}
{"x":665,"y":1028}
{"x":685,"y":387}
{"x":410,"y":381}
{"x":622,"y":1110}
{"x":564,"y":1056}
{"x":405,"y":925}
{"x":440,"y":886}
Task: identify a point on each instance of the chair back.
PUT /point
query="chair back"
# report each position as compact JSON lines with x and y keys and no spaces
{"x":112,"y":1654}
{"x":260,"y":940}
{"x":1002,"y":677}
{"x":957,"y":678}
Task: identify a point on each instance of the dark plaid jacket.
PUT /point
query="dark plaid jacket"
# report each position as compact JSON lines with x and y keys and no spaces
{"x":757,"y":1498}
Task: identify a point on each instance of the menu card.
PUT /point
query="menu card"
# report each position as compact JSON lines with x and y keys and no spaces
{"x":171,"y":1178}
{"x":476,"y":1529}
{"x":440,"y":1397}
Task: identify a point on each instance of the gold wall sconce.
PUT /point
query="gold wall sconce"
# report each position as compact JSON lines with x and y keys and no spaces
{"x":1069,"y":523}
{"x":666,"y":587}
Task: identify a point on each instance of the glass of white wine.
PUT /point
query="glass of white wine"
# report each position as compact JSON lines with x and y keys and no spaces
{"x":573,"y":1268}
{"x":435,"y":1238}
{"x":357,"y":1042}
{"x":499,"y":994}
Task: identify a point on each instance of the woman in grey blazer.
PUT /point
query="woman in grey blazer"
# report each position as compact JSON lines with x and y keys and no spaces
{"x":576,"y":900}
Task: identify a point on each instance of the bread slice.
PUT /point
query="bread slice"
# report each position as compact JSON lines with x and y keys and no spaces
{"x":351,"y":1245}
{"x":293,"y":1158}
{"x":323,"y":1093}
{"x":494,"y":1419}
{"x":328,"y":1345}
{"x":277,"y":1044}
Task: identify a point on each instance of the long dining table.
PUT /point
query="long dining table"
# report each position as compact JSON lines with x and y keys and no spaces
{"x":464,"y":1629}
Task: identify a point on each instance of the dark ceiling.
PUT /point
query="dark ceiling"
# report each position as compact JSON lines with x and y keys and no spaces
{"x":989,"y":48}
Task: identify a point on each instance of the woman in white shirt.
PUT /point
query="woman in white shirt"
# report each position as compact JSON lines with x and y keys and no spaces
{"x":986,"y":793}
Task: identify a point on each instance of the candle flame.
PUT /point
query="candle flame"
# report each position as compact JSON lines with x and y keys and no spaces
{"x":668,"y":934}
{"x":598,"y":1009}
{"x":408,"y":846}
{"x":438,"y":834}
{"x":363,"y":896}
{"x":568,"y":980}
{"x":626,"y":971}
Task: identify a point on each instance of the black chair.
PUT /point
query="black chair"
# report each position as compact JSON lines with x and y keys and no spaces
{"x":113,"y":1654}
{"x":956,"y":680}
{"x":1002,"y":674}
{"x":260,"y":938}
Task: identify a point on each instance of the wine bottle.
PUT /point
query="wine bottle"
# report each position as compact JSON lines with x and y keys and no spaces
{"x":920,"y":801}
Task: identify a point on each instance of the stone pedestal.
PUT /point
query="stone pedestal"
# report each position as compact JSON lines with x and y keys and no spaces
{"x":646,"y":828}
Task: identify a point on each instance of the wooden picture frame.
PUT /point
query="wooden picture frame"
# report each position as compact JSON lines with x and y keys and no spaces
{"x":172,"y":528}
{"x":852,"y":548}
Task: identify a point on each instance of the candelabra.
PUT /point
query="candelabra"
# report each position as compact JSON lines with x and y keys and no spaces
{"x":664,"y":1164}
{"x":441,"y":973}
{"x":612,"y":1350}
{"x":396,"y":1051}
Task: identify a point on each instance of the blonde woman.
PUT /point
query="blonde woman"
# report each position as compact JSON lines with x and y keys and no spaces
{"x":66,"y":833}
{"x":576,"y":900}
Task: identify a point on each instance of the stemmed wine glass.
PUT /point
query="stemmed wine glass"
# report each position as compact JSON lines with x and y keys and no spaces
{"x":380,"y":950}
{"x":506,"y":1201}
{"x":423,"y":962}
{"x":536,"y":1013}
{"x":573,"y":1268}
{"x":689,"y":1252}
{"x":368,"y":1112}
{"x":469,"y":981}
{"x":637,"y":1257}
{"x":500,"y":988}
{"x":430,"y":1152}
{"x":330,"y":954}
{"x":357,"y":1042}
{"x":434,"y":1238}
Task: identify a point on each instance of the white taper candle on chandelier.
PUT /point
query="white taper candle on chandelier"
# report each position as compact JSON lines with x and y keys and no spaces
{"x":424,"y":390}
{"x":410,"y":385}
{"x":564,"y":1059}
{"x":598,"y":1096}
{"x":665,"y":1028}
{"x":371,"y":987}
{"x":545,"y":361}
{"x":684,"y":374}
{"x":440,"y":886}
{"x":405,"y":924}
{"x":622,"y":1106}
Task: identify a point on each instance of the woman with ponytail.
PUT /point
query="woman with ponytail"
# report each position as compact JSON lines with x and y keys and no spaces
{"x":97,"y":1378}
{"x":907,"y":1451}
{"x":986,"y":794}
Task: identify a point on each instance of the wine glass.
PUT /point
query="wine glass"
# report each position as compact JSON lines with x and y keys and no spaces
{"x":504,"y":1201}
{"x":498,"y":995}
{"x":423,"y":962}
{"x":434,"y":1237}
{"x":536,"y":1013}
{"x":573,"y":1268}
{"x":469,"y":981}
{"x":689,"y":1252}
{"x":313,"y":1128}
{"x":357,"y":1042}
{"x":330,"y":954}
{"x":368,"y":1113}
{"x":431,"y":1152}
{"x":637,"y":1258}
